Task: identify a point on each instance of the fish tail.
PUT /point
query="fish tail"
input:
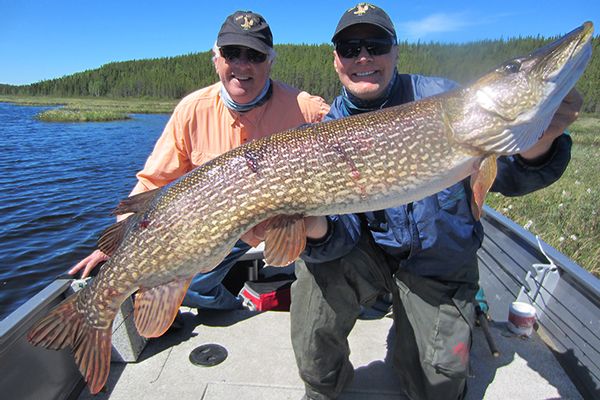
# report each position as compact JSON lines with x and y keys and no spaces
{"x":66,"y":326}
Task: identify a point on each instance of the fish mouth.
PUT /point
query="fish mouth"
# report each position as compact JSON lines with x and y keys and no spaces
{"x":513,"y":105}
{"x":557,"y":67}
{"x":567,"y":56}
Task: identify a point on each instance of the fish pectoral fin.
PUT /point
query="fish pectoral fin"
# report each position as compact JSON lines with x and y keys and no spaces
{"x":112,"y":237}
{"x":481,"y":182}
{"x":285,"y":239}
{"x":136,"y":203}
{"x":156,"y":308}
{"x":66,"y":326}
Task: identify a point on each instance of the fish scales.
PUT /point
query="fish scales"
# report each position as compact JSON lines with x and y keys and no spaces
{"x":293,"y":162}
{"x":360,"y":163}
{"x":290,"y":162}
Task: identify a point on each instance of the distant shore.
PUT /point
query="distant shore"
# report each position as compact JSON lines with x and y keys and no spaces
{"x":92,"y":109}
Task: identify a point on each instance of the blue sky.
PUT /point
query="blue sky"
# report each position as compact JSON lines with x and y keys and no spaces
{"x":49,"y":39}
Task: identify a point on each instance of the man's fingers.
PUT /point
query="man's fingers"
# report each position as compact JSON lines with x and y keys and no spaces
{"x":571,"y":105}
{"x":88,"y":268}
{"x":574,"y":97}
{"x":78,"y":266}
{"x":316,"y":227}
{"x":565,"y":115}
{"x":88,"y":263}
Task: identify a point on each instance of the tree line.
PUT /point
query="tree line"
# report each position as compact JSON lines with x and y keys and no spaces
{"x":308,"y":67}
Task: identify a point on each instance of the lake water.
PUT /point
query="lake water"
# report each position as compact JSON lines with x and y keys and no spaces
{"x":58,"y":185}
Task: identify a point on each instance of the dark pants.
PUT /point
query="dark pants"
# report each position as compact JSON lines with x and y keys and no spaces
{"x":433,"y":321}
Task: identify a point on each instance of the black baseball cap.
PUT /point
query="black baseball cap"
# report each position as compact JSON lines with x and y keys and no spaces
{"x":365,"y":13}
{"x":246,"y":28}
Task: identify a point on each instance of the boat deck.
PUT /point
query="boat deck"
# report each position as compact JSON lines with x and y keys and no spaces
{"x":260,"y":363}
{"x":561,"y":359}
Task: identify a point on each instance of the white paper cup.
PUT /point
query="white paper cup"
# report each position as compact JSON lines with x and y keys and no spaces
{"x":521,"y":318}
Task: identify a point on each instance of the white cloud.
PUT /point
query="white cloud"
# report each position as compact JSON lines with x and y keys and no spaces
{"x":434,"y":23}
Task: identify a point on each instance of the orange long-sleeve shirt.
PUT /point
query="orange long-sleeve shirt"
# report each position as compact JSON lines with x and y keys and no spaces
{"x":202,"y":127}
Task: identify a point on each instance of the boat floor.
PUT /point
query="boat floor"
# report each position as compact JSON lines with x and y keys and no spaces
{"x":261,"y":366}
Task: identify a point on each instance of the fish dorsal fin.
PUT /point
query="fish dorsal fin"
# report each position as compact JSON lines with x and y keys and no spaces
{"x":136,"y":203}
{"x":481,"y":182}
{"x":112,"y":237}
{"x":285,"y":239}
{"x":156,"y":308}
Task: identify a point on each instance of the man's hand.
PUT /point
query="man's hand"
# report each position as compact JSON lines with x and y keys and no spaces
{"x":256,"y":234}
{"x":567,"y":113}
{"x":316,"y":228}
{"x":89,"y":263}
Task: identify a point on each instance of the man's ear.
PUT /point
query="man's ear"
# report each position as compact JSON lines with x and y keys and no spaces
{"x":396,"y":49}
{"x":335,"y":62}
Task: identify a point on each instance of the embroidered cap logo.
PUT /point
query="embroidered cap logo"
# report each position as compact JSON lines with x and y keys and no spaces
{"x":248,"y":23}
{"x":361,"y":8}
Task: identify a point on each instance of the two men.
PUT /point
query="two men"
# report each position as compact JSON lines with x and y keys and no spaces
{"x":423,"y":253}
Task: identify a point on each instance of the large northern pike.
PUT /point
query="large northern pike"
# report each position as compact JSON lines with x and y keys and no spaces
{"x":365,"y":162}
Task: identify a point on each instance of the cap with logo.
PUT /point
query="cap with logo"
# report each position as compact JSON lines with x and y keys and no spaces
{"x":246,"y":28}
{"x":365,"y":13}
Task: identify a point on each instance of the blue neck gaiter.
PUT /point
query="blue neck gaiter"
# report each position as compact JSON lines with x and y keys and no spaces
{"x":354,"y":105}
{"x":264,"y":95}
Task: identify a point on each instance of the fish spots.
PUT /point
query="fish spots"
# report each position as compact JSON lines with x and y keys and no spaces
{"x":143,"y":224}
{"x":353,"y":169}
{"x":251,"y":161}
{"x":110,"y":291}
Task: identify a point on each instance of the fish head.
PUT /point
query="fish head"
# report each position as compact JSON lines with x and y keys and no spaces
{"x":507,"y":110}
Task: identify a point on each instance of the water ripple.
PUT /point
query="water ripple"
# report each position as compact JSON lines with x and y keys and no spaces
{"x":58,"y":185}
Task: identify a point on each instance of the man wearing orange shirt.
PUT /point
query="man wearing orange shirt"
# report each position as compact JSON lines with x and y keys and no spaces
{"x":244,"y":105}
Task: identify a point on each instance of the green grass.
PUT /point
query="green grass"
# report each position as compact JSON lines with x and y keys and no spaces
{"x":66,"y":115}
{"x":565,"y":214}
{"x":93,"y":109}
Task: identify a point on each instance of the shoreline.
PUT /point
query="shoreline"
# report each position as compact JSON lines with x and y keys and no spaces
{"x":83,"y":109}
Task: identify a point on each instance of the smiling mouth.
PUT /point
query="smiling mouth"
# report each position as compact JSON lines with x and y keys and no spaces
{"x":363,"y":74}
{"x":242,"y":78}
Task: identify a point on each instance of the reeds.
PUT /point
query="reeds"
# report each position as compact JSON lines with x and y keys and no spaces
{"x":67,"y":115}
{"x":92,"y":109}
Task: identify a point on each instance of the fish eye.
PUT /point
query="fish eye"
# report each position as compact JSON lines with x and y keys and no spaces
{"x":512,"y":67}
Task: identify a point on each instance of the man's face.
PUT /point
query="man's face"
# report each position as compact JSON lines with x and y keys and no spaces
{"x":365,"y":76}
{"x":242,"y":72}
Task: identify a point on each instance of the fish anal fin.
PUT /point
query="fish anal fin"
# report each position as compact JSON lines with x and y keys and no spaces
{"x":136,"y":203}
{"x":92,"y":355}
{"x":285,"y":239}
{"x":112,"y":237}
{"x":65,"y":326}
{"x":156,"y":308}
{"x":481,"y":182}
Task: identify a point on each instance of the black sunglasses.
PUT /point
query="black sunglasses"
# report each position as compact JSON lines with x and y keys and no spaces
{"x":232,"y":53}
{"x":376,"y":47}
